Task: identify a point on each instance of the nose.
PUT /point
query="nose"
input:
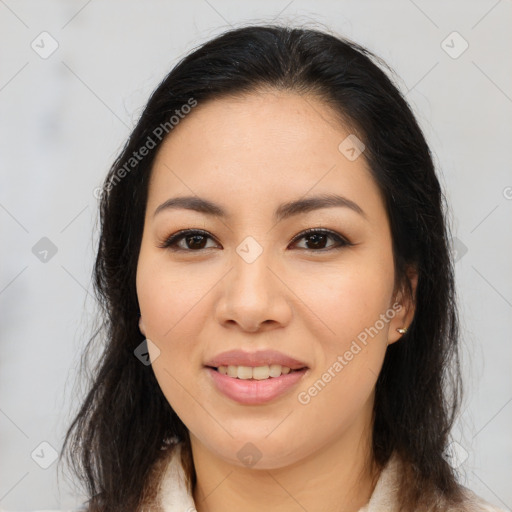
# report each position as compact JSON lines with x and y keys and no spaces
{"x":253,"y":297}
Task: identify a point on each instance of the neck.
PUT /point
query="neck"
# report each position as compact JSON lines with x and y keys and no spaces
{"x":338,"y":476}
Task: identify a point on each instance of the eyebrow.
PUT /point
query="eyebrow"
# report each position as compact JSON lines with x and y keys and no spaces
{"x":284,"y":211}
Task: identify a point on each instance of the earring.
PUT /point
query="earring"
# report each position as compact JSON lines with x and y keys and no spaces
{"x":402,"y":330}
{"x":141,"y":326}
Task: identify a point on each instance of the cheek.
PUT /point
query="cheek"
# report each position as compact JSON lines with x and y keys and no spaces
{"x":175,"y":305}
{"x":168,"y":303}
{"x":350,"y":356}
{"x":168,"y":298}
{"x":350,"y":299}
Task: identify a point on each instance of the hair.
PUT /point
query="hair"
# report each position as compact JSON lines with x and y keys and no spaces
{"x":116,"y":438}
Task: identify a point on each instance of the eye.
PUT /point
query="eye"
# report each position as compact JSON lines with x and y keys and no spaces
{"x":317,"y":239}
{"x":195,"y":240}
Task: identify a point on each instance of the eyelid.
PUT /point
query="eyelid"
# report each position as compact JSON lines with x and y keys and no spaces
{"x":182,"y":233}
{"x":344,"y":242}
{"x":168,"y":242}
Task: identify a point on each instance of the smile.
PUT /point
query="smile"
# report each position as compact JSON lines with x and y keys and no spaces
{"x":256,"y":373}
{"x":251,"y":390}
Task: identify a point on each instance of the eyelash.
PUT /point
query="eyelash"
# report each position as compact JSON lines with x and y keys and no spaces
{"x":171,"y":241}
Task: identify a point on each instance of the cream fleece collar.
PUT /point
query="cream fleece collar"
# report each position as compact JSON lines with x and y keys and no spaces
{"x":174,"y":496}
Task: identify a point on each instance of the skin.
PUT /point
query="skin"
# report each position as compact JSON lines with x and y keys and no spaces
{"x":249,"y":154}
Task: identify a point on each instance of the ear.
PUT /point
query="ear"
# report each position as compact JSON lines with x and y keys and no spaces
{"x":404,"y":303}
{"x":142,"y":328}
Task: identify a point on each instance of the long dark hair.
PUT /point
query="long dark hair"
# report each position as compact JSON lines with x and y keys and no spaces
{"x":115,"y":442}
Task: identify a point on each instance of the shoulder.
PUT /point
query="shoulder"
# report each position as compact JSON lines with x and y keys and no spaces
{"x":173,"y":486}
{"x":475,"y":503}
{"x":384,"y":496}
{"x":82,"y":508}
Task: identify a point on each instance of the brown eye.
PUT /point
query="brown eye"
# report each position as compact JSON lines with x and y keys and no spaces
{"x":317,"y":239}
{"x":193,"y":240}
{"x":187,"y":240}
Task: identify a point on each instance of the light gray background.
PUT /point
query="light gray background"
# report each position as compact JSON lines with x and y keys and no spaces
{"x":64,"y":118}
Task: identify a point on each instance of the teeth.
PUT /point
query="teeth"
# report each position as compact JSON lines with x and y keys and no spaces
{"x":276,"y":369}
{"x":257,"y":373}
{"x":244,"y":372}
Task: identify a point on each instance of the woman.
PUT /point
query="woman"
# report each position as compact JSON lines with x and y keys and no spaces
{"x":278,"y":293}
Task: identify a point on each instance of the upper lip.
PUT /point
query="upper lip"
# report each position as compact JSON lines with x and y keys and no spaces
{"x":259,"y":358}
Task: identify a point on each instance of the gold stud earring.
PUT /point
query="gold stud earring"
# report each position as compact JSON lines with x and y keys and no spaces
{"x":402,"y":330}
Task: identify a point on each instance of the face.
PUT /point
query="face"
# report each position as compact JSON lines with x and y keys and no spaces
{"x":249,"y":278}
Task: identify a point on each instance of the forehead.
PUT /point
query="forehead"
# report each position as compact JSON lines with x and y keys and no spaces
{"x":259,"y":146}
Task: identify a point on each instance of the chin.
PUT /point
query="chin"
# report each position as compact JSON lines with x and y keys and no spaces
{"x":258,"y":451}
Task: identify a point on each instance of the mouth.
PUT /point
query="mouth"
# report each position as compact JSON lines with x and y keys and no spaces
{"x":265,"y":372}
{"x":255,"y":385}
{"x":255,"y":378}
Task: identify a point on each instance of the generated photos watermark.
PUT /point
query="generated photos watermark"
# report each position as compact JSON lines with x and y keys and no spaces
{"x":150,"y":143}
{"x":304,"y":397}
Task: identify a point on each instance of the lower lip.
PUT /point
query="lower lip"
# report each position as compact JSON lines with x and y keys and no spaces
{"x":255,"y":392}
